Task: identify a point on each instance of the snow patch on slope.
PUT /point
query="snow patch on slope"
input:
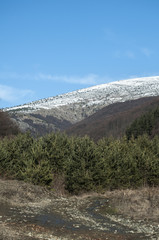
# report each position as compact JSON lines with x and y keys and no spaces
{"x":101,"y":95}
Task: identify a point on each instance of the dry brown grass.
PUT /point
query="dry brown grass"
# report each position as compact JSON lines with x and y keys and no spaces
{"x":138,"y":204}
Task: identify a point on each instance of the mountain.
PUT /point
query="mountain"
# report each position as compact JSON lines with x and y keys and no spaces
{"x":114,"y":119}
{"x":60,"y":112}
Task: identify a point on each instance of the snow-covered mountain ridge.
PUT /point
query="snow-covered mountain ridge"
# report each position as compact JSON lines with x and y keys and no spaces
{"x":72,"y":107}
{"x":101,"y":94}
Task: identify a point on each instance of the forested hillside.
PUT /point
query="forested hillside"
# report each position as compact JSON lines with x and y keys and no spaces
{"x":148,"y":124}
{"x":7,"y":126}
{"x":114,"y":119}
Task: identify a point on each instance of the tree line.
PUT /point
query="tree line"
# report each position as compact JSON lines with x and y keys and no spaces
{"x":148,"y":124}
{"x":83,"y":164}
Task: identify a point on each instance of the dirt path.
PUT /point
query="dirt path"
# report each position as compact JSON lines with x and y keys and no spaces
{"x":31,"y":213}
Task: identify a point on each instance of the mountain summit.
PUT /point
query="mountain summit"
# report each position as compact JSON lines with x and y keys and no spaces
{"x":61,"y":111}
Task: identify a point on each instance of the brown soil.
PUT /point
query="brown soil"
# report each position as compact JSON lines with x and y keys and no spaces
{"x":29,"y":212}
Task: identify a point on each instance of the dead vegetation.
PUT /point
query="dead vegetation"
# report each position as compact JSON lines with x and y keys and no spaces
{"x":142,"y":203}
{"x":27,"y":201}
{"x":19,"y":193}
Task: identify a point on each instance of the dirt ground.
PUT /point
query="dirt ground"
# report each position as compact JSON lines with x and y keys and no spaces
{"x":29,"y":212}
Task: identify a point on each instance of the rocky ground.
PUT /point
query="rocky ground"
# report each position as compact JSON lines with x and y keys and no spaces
{"x":31,"y":212}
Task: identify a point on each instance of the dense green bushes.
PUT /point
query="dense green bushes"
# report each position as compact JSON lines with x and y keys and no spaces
{"x":83,"y":164}
{"x":148,"y":123}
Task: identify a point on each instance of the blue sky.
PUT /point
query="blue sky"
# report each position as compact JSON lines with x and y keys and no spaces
{"x":51,"y":47}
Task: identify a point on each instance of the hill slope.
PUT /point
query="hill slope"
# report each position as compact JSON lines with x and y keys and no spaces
{"x":7,"y":126}
{"x":113,"y":119}
{"x":61,"y":111}
{"x":147,"y":123}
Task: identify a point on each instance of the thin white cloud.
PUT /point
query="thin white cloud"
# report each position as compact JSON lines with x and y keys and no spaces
{"x":13,"y":75}
{"x":147,"y":52}
{"x":124,"y":54}
{"x":118,"y":54}
{"x":130,"y":54}
{"x":110,"y":35}
{"x":89,"y":79}
{"x":14,"y":95}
